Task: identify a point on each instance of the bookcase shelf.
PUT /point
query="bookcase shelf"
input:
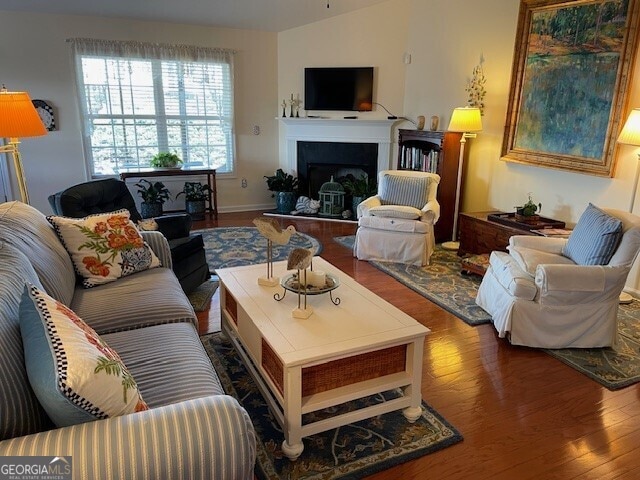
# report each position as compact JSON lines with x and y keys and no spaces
{"x":435,"y":152}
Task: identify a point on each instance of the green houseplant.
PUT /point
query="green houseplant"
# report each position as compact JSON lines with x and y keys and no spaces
{"x":360,"y":189}
{"x":165,"y":160}
{"x":284,"y":187}
{"x":527,"y":212}
{"x":153,"y":195}
{"x":196,"y":194}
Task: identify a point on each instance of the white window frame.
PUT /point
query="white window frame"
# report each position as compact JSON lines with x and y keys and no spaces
{"x":158,"y":54}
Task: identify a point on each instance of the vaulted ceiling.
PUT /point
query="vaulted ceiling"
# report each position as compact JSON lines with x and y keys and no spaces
{"x":270,"y":15}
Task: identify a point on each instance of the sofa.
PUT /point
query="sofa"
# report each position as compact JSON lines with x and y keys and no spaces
{"x":191,"y":429}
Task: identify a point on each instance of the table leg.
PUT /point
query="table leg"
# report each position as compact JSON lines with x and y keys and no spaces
{"x":292,"y":445}
{"x":414,"y":360}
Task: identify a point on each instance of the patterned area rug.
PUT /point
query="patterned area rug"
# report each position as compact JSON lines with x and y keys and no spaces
{"x":239,"y":246}
{"x":353,"y":451}
{"x":442,"y":283}
{"x":615,"y":367}
{"x":200,"y":297}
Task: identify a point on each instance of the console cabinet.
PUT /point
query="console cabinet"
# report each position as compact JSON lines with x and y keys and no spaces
{"x":435,"y":152}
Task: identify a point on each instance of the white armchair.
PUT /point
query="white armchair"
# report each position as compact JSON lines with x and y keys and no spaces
{"x":396,"y":225}
{"x":539,"y":297}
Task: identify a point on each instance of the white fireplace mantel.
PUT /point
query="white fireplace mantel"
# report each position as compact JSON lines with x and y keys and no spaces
{"x":338,"y":130}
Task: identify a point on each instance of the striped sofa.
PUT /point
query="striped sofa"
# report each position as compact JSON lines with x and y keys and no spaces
{"x":192,"y":430}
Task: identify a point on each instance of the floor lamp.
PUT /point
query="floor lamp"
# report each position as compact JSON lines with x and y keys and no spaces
{"x":467,"y":121}
{"x":18,"y":118}
{"x":630,"y":135}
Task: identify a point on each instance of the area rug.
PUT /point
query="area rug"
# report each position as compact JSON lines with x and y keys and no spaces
{"x":615,"y":367}
{"x":239,"y":246}
{"x":353,"y":451}
{"x":442,"y":283}
{"x":200,"y":297}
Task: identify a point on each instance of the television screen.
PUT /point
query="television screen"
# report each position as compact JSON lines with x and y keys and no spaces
{"x":339,"y":88}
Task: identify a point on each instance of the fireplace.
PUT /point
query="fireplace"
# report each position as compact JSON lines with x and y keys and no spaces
{"x":372,"y":136}
{"x":317,"y":162}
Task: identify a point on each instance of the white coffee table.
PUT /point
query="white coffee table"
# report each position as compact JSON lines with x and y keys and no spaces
{"x":358,"y":348}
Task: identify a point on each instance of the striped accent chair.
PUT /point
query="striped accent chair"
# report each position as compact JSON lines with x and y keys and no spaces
{"x":563,"y":293}
{"x":396,"y":225}
{"x":192,"y":429}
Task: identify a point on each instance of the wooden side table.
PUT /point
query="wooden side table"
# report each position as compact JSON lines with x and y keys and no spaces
{"x":209,"y":172}
{"x":479,"y":234}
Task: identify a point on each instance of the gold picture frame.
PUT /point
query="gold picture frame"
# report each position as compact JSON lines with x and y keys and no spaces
{"x":571,"y":74}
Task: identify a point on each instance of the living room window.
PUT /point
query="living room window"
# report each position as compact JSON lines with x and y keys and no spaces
{"x":137,"y":99}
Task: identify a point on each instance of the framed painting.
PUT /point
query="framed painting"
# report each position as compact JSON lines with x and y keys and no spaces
{"x":571,"y":74}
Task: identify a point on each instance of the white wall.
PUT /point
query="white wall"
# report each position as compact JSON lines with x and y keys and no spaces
{"x":41,"y":65}
{"x":374,"y":36}
{"x":436,"y":82}
{"x":446,"y":39}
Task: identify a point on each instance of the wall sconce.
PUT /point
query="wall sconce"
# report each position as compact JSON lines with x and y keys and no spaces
{"x":18,"y":118}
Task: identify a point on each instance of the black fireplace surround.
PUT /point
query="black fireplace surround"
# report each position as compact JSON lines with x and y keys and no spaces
{"x":318,"y":161}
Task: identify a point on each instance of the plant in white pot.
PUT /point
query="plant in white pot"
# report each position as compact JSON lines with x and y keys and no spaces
{"x":285,"y":189}
{"x":153,"y":195}
{"x":195,"y":194}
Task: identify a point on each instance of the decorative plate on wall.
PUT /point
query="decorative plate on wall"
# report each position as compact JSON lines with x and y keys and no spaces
{"x":45,"y":110}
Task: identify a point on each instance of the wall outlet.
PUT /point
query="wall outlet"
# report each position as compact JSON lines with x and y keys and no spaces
{"x":244,"y":183}
{"x":256,"y":129}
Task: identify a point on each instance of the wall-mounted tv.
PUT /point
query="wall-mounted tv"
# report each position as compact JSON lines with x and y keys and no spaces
{"x":338,"y":88}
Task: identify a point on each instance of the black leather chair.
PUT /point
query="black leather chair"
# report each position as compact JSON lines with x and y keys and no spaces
{"x":110,"y":194}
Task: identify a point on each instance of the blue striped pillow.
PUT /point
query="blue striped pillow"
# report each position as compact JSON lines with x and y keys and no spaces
{"x":403,"y":190}
{"x":594,"y":239}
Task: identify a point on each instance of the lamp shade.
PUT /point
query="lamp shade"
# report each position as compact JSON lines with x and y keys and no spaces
{"x":18,"y":116}
{"x":630,"y":134}
{"x":465,"y":119}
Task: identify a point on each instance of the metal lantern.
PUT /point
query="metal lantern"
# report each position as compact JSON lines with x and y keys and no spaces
{"x":331,"y":199}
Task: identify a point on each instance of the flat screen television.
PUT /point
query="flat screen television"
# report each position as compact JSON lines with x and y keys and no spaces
{"x":338,"y":88}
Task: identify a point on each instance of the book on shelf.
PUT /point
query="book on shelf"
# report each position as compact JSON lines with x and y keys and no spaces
{"x":413,"y":158}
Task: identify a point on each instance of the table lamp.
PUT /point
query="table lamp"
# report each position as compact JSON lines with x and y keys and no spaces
{"x":467,"y":121}
{"x":18,"y":118}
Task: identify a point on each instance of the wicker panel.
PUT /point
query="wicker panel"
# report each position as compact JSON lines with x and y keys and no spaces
{"x":350,"y":370}
{"x":231,"y":306}
{"x":273,"y":366}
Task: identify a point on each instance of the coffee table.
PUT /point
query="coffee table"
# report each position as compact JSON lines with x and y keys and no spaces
{"x":360,"y":347}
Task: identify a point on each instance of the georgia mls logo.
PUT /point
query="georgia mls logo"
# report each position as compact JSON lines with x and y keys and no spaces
{"x":36,"y":468}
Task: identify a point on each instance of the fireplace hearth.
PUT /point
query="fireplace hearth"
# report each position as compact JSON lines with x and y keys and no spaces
{"x":317,"y":162}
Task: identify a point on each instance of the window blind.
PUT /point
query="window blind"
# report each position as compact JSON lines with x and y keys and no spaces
{"x":138,"y":99}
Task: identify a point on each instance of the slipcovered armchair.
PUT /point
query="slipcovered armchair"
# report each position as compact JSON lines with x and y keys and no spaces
{"x":109,"y":194}
{"x":559,"y":293}
{"x":396,"y":225}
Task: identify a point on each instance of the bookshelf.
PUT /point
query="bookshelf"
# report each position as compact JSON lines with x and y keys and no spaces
{"x":435,"y":152}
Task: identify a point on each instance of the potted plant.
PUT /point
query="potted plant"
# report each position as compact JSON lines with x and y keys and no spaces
{"x":527,"y":212}
{"x":153,"y":195}
{"x":195,"y":194}
{"x":284,"y":187}
{"x":360,"y":189}
{"x":165,"y":160}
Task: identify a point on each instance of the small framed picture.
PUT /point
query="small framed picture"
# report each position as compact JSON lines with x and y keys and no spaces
{"x":45,"y":110}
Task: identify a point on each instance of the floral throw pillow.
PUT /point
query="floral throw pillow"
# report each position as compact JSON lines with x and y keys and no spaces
{"x":104,"y":247}
{"x":76,"y":376}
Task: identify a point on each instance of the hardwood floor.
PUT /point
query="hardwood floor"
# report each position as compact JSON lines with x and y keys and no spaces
{"x":523,"y":414}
